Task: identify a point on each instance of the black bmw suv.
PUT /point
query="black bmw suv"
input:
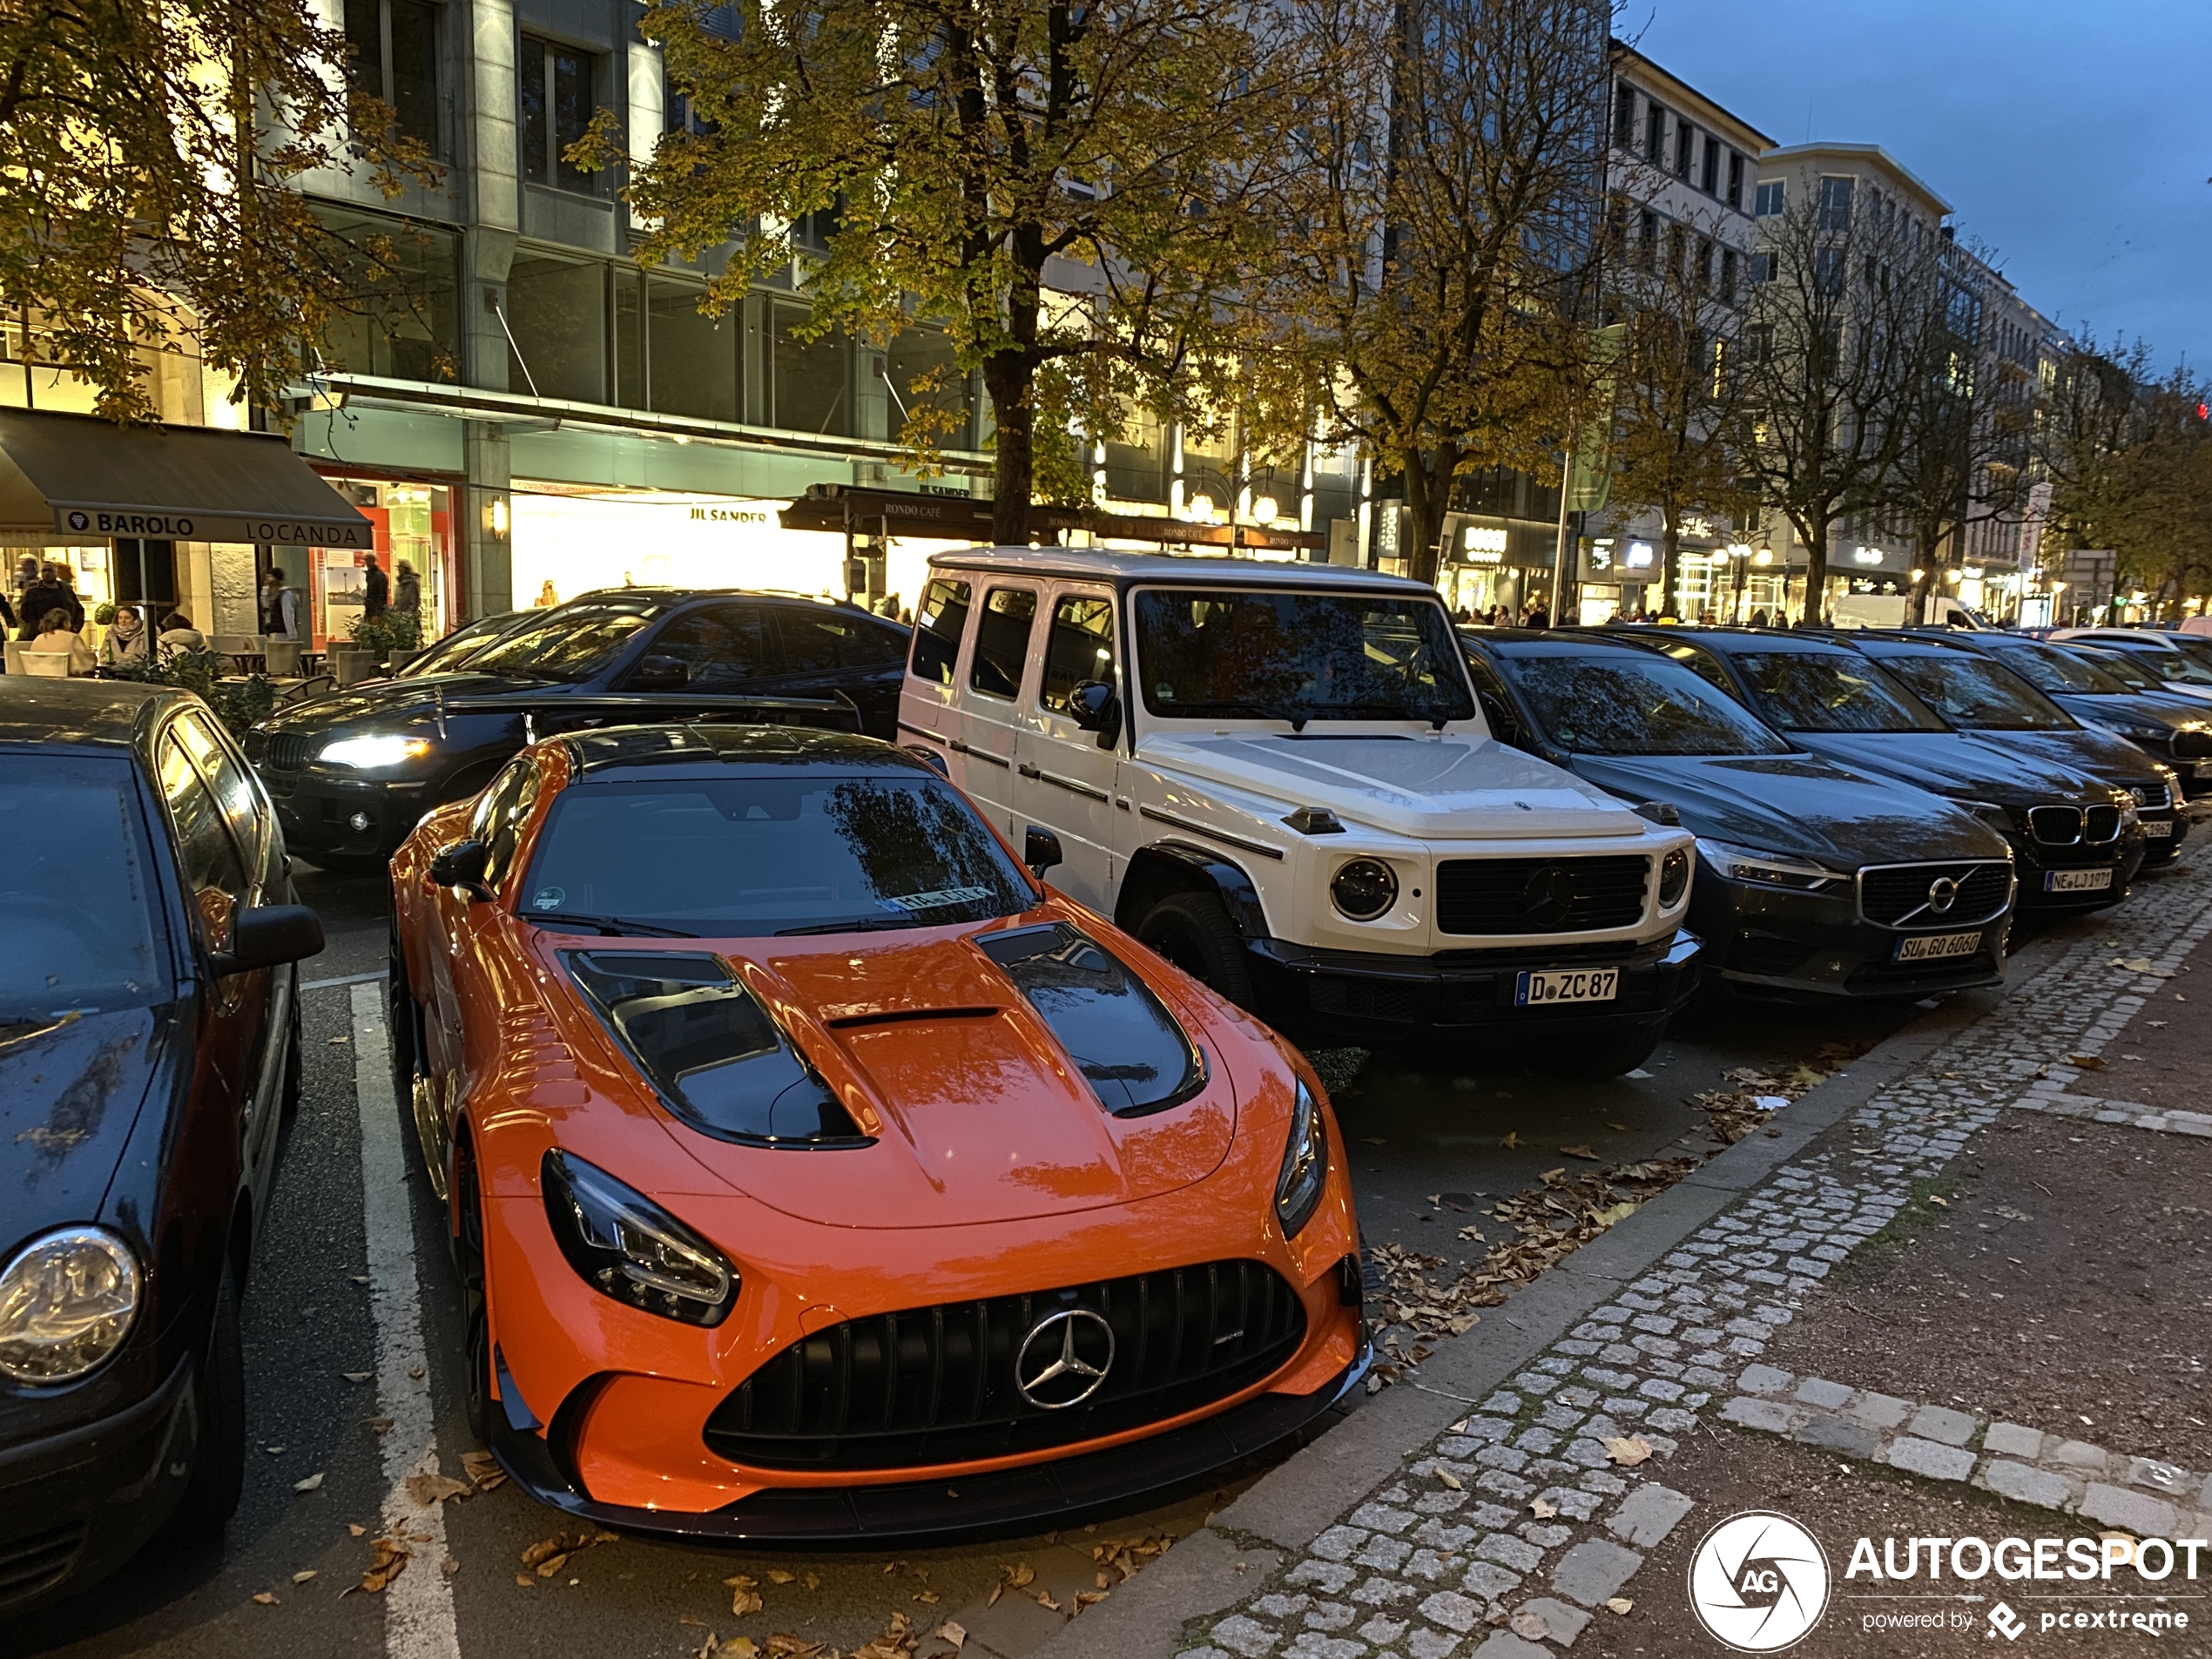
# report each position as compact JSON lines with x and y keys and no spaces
{"x":353,"y":772}
{"x":149,"y":1053}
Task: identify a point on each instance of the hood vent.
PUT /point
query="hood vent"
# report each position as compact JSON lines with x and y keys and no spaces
{"x":1129,"y":1049}
{"x":719,"y":1062}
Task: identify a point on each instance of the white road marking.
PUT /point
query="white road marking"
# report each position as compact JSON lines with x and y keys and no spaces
{"x":344,"y":979}
{"x":418,"y":1605}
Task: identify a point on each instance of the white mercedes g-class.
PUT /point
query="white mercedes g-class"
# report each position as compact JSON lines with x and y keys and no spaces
{"x":1278,"y":777}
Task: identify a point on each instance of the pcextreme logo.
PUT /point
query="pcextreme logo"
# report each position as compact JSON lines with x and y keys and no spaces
{"x":1759,"y":1582}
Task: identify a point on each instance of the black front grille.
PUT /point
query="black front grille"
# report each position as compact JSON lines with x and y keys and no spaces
{"x":34,"y":1563}
{"x":1768,"y":954}
{"x":1365,"y":999}
{"x":1540,"y":895}
{"x":286,"y":751}
{"x":2193,"y":745}
{"x":1906,"y":895}
{"x":2101,"y":825}
{"x":937,"y":1384}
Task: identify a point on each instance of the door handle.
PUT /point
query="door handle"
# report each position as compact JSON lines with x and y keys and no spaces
{"x":1029,"y":771}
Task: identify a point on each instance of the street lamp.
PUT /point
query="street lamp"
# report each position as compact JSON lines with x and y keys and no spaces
{"x":1265,"y":510}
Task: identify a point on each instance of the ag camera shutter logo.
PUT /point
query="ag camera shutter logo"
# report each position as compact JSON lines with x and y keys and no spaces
{"x":1759,"y":1582}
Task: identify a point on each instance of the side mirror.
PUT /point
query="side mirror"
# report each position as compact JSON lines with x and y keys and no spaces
{"x":1093,"y":706}
{"x":264,"y":935}
{"x":461,"y":864}
{"x":1040,"y":851}
{"x":1503,"y":727}
{"x":660,"y":674}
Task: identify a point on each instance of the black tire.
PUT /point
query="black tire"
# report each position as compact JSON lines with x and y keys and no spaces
{"x":469,"y":1261}
{"x":347,"y":863}
{"x":1191,"y":931}
{"x":219,"y":1452}
{"x":399,"y":1021}
{"x":289,"y":1090}
{"x":1600,"y":1056}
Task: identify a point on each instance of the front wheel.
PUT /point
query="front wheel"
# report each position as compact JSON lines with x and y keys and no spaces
{"x":469,"y":1258}
{"x":1599,"y":1056}
{"x":1190,"y":930}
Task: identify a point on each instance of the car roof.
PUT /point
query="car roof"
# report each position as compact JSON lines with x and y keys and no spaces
{"x":705,"y":749}
{"x":1734,"y":638}
{"x":663,"y":597}
{"x":80,"y":713}
{"x":1536,"y":642}
{"x":1108,"y":564}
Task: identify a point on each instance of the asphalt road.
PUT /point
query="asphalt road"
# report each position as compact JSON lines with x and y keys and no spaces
{"x":1427,"y":1140}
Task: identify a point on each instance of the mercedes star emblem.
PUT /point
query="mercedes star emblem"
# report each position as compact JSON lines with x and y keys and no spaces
{"x":1943,"y":893}
{"x":1064,"y":1360}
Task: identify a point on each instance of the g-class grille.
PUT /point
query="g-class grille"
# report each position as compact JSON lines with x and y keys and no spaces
{"x":1933,"y":895}
{"x":945,"y":1384}
{"x":1540,"y":895}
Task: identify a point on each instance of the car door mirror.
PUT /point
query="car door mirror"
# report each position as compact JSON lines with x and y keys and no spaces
{"x":1093,"y":705}
{"x":1503,"y":727}
{"x":660,"y":674}
{"x":1040,"y":851}
{"x":265,"y":935}
{"x":461,"y":864}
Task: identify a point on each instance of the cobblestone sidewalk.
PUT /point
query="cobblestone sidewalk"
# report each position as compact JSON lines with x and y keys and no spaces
{"x":1513,"y":1529}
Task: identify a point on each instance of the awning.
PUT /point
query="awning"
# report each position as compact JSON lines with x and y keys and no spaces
{"x":75,"y":477}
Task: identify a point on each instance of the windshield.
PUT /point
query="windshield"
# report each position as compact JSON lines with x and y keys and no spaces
{"x":1607,"y":706}
{"x":2124,"y":667}
{"x":748,"y":856}
{"x":457,"y":646}
{"x":2050,"y":670}
{"x":77,"y":890}
{"x":2172,"y":665}
{"x":1978,"y":695}
{"x":1803,"y":692}
{"x":1242,"y":654}
{"x":570,"y":644}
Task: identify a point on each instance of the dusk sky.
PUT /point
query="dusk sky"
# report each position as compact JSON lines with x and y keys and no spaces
{"x":2072,"y":136}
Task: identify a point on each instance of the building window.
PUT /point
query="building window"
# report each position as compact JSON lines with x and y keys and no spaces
{"x":1709,"y":180}
{"x":1835,"y":203}
{"x":1772,"y":198}
{"x":395,"y":59}
{"x":556,"y":107}
{"x":1685,"y":145}
{"x":1828,"y":270}
{"x":1728,"y":276}
{"x":1704,"y":266}
{"x":397,"y":318}
{"x":1624,"y":116}
{"x":1655,"y":133}
{"x":1648,"y":240}
{"x":1762,"y":269}
{"x":806,"y":375}
{"x":557,"y":311}
{"x":696,"y":362}
{"x":1736,"y":180}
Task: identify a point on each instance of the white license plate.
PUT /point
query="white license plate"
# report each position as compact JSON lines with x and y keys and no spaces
{"x":2159,"y":829}
{"x":1936,"y":947}
{"x":1541,"y":986}
{"x":2076,"y":880}
{"x":2204,"y":769}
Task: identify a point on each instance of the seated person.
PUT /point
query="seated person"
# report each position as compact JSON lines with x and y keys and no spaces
{"x":56,"y":636}
{"x":179,"y":634}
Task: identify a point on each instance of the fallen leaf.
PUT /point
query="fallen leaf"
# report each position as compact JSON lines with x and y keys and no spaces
{"x":784,"y":1647}
{"x":546,"y":1555}
{"x":388,"y":1559}
{"x":1580,"y":1152}
{"x":955,"y":1633}
{"x":1045,"y":1600}
{"x":381,"y":1425}
{"x":415,"y":1372}
{"x":483,"y":1468}
{"x":303,"y":1576}
{"x":449,"y":1566}
{"x":2086,"y":1061}
{"x":335,"y":1042}
{"x":1620,"y":1604}
{"x":737,"y":1648}
{"x":1628,"y":1451}
{"x":1450,"y":1480}
{"x":356,"y":1376}
{"x":309,"y":1484}
{"x":430,"y":1488}
{"x":896,"y":1642}
{"x":1088,"y":1598}
{"x":1541,"y":1510}
{"x":1474,"y":1233}
{"x":1621,"y":1129}
{"x":356,"y":1528}
{"x":524,"y":1580}
{"x":1937,"y":1199}
{"x":777,"y":1575}
{"x":265,"y":1598}
{"x":743,"y":1600}
{"x":927,"y":1597}
{"x":1513,"y":1139}
{"x":813,"y":1583}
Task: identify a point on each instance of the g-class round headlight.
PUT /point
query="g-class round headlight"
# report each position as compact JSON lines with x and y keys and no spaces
{"x":1364,"y":889}
{"x":1673,"y":878}
{"x":66,"y":1303}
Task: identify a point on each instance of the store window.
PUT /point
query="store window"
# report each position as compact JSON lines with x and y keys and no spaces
{"x":412,"y":526}
{"x":557,"y":108}
{"x":556,"y":310}
{"x":395,"y":59}
{"x":696,"y":362}
{"x":808,"y":376}
{"x":396,"y":320}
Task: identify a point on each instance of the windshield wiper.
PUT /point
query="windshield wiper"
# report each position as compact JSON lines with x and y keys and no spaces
{"x":858,"y":925}
{"x":614,"y":924}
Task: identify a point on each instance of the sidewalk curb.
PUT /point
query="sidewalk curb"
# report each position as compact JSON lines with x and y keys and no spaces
{"x":1312,"y":1489}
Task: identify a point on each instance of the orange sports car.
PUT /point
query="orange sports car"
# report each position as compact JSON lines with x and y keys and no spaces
{"x":817,"y":1173}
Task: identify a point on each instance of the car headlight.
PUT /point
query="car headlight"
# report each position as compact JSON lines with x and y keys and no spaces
{"x":1305,"y":1165}
{"x":630,"y":1248}
{"x":1364,"y":889}
{"x":1765,"y":869}
{"x":1673,"y":878}
{"x":2130,"y":729}
{"x":66,"y":1303}
{"x":374,"y":754}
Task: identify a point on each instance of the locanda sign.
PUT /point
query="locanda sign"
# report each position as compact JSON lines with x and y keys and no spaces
{"x":202,"y":527}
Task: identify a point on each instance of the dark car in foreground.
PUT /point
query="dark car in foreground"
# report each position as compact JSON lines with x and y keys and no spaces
{"x":1978,"y":693}
{"x":148,"y":1050}
{"x":1813,"y":880}
{"x":2076,"y":842}
{"x":353,"y":772}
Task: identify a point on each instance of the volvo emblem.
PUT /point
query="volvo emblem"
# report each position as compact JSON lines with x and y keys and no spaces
{"x":1064,"y":1360}
{"x":1943,"y":893}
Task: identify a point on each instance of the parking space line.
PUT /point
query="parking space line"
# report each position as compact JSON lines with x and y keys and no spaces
{"x":418,"y":1605}
{"x":347,"y":979}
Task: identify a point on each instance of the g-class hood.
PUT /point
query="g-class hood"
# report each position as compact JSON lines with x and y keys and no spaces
{"x":1799,"y":804}
{"x":1443,"y":786}
{"x":1955,"y":764}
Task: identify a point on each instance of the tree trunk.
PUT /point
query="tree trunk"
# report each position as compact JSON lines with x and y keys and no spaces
{"x":1007,"y":381}
{"x":1816,"y":572}
{"x":1670,"y":566}
{"x":1927,"y":548}
{"x":1425,"y":501}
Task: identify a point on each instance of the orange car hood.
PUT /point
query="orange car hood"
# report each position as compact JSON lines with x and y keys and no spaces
{"x":978,"y":1114}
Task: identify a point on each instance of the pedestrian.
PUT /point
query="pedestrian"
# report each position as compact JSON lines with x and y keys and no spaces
{"x":888,"y":606}
{"x":56,"y":637}
{"x":26,"y":573}
{"x":279,"y":606}
{"x":179,"y":634}
{"x":376,"y":591}
{"x":128,"y":640}
{"x":547,"y":597}
{"x":47,"y":593}
{"x":407,"y":593}
{"x":7,"y":616}
{"x":1758,"y":617}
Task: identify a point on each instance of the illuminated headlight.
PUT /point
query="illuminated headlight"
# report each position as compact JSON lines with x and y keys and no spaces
{"x":631,"y":1249}
{"x":1673,"y":878}
{"x":1364,"y":889}
{"x":373,"y":753}
{"x":1765,"y":869}
{"x":66,"y":1303}
{"x":1305,"y":1165}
